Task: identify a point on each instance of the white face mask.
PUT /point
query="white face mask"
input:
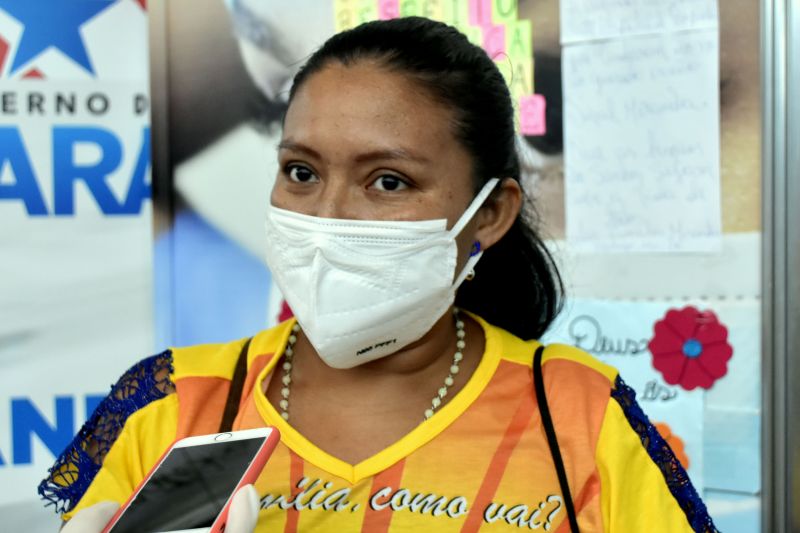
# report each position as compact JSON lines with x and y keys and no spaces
{"x":363,"y":289}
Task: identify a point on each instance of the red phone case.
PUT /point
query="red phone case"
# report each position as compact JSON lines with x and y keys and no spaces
{"x":249,"y":477}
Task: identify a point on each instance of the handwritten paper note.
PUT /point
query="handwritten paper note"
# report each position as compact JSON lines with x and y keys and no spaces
{"x":587,"y":20}
{"x":642,"y":144}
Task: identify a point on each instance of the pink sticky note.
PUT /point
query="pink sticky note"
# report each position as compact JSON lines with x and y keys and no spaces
{"x":532,"y":114}
{"x":494,"y":40}
{"x":480,"y":12}
{"x":388,"y":9}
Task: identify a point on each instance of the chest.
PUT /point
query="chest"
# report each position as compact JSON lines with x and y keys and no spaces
{"x":354,"y":424}
{"x":441,"y":486}
{"x":358,"y":427}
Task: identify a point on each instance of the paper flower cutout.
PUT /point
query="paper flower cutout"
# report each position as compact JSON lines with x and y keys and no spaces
{"x":675,"y":442}
{"x":690,"y":348}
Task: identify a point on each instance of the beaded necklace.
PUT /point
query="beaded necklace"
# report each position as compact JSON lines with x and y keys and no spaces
{"x":288,"y":355}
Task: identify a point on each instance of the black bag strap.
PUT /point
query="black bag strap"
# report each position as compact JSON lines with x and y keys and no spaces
{"x":547,"y":422}
{"x":235,"y":390}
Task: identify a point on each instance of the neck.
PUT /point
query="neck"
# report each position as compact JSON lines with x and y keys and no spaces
{"x":438,"y":342}
{"x":433,"y":350}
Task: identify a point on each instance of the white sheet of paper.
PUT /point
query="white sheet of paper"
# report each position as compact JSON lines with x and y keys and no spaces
{"x":642,"y":144}
{"x":587,"y":20}
{"x":617,"y":333}
{"x":733,"y":405}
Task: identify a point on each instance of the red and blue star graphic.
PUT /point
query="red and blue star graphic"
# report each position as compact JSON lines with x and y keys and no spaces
{"x":3,"y":52}
{"x":52,"y":23}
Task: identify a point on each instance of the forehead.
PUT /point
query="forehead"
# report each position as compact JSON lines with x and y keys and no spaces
{"x":365,"y":104}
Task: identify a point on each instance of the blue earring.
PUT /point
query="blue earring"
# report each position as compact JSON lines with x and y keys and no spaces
{"x":476,"y":248}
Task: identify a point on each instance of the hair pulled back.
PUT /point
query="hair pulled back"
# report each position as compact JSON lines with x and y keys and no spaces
{"x":517,"y":285}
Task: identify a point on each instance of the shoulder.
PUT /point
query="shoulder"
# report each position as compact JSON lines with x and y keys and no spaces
{"x":578,"y":387}
{"x":561,"y":362}
{"x":219,"y":360}
{"x":147,"y":385}
{"x":171,"y":388}
{"x":206,"y":360}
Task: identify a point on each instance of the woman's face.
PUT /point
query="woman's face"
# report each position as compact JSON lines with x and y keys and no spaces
{"x":363,"y":142}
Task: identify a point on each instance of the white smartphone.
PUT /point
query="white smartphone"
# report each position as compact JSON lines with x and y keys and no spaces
{"x":191,"y":486}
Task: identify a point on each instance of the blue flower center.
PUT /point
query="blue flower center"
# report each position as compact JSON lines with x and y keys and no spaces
{"x":692,"y":348}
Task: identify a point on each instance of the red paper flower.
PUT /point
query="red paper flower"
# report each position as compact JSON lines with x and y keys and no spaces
{"x":675,"y":443}
{"x":690,"y":348}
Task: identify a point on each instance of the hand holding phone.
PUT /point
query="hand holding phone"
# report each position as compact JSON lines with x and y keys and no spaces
{"x":242,"y":516}
{"x":93,"y":519}
{"x":192,"y":486}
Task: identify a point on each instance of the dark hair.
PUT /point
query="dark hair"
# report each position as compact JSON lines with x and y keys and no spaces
{"x":516,"y":284}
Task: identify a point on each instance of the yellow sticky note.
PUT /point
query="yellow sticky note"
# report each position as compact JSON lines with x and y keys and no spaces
{"x":432,"y":9}
{"x":521,"y":82}
{"x":473,"y":33}
{"x":348,"y":14}
{"x":366,"y":11}
{"x":456,"y":13}
{"x":519,"y":39}
{"x":343,"y":14}
{"x":410,"y":8}
{"x":505,"y":66}
{"x":504,"y":11}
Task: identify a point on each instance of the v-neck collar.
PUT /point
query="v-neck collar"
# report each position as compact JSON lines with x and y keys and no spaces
{"x":407,"y":444}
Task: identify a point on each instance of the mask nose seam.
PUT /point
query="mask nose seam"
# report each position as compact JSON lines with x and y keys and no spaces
{"x":316,"y":261}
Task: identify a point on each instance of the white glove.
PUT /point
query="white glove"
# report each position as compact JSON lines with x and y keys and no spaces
{"x":92,"y":519}
{"x":242,"y":516}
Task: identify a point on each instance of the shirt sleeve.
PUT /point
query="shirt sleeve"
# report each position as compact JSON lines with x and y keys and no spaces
{"x":121,"y":440}
{"x":146,"y":436}
{"x":643,"y":485}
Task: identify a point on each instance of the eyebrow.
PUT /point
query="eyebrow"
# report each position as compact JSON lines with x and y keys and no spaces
{"x":372,"y":155}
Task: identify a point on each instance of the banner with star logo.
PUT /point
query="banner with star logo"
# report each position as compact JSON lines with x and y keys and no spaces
{"x":76,"y":218}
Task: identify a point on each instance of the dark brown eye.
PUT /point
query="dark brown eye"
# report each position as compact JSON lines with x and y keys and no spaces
{"x":301,"y":174}
{"x":390,"y":183}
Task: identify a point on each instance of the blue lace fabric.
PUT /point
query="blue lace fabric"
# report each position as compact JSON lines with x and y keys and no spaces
{"x":676,"y":477}
{"x":78,"y":464}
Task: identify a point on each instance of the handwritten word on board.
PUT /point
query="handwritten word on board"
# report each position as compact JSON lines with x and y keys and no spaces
{"x":587,"y":20}
{"x":642,"y":144}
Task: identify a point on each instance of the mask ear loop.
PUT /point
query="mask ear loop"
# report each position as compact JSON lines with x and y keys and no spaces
{"x":476,"y":204}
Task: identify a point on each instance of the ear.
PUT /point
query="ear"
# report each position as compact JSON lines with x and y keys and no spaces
{"x":499,"y":212}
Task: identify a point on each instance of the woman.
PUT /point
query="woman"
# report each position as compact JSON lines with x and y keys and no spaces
{"x":399,"y":410}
